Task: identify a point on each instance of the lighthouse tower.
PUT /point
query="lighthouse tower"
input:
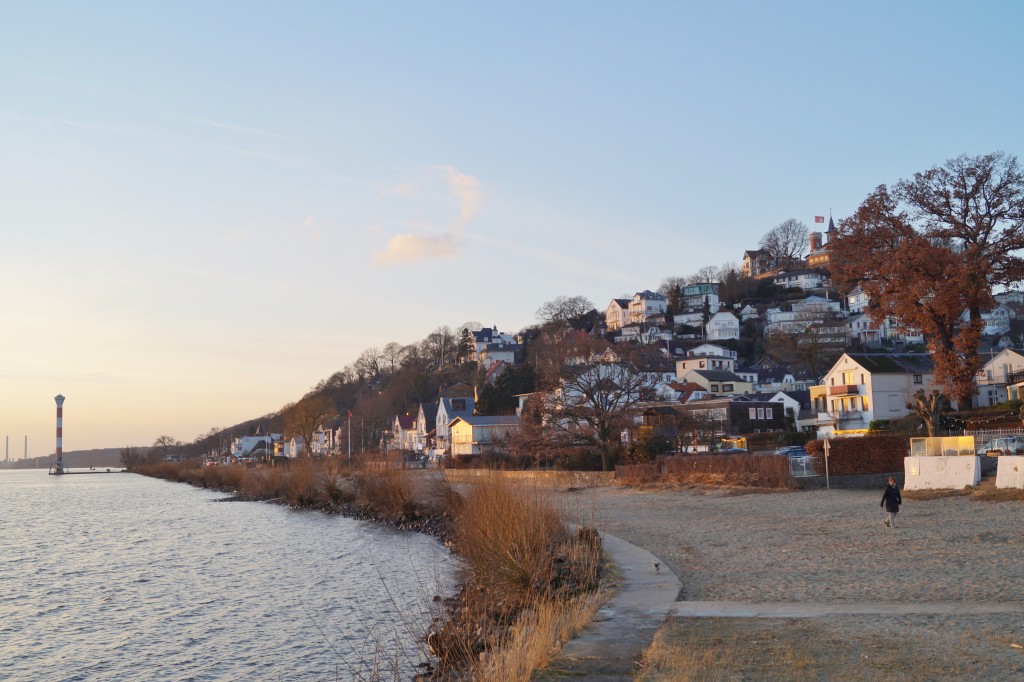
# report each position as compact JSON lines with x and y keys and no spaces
{"x":59,"y":466}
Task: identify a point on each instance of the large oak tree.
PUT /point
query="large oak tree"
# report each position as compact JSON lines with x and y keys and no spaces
{"x":934,"y":247}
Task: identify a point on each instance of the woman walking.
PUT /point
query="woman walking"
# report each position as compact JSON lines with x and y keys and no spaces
{"x":891,"y":500}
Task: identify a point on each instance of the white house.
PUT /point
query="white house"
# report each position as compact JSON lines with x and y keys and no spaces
{"x":797,"y":404}
{"x":717,"y":382}
{"x":723,"y":325}
{"x":859,"y":327}
{"x":475,"y":435}
{"x":997,"y":320}
{"x":864,"y":387}
{"x":403,"y":432}
{"x":447,"y":410}
{"x":749,"y":312}
{"x":646,"y":303}
{"x":800,"y":279}
{"x":707,"y":356}
{"x":857,"y":301}
{"x":998,"y":375}
{"x":616,"y":316}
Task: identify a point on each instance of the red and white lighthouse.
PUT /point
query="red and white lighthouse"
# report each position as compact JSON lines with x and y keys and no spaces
{"x":60,"y":434}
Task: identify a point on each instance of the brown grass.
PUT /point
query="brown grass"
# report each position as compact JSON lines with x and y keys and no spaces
{"x":532,"y":583}
{"x":755,"y":471}
{"x":984,"y":495}
{"x":712,"y":649}
{"x":391,"y":491}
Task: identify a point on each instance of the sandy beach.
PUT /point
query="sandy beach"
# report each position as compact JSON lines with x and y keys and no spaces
{"x":829,"y":547}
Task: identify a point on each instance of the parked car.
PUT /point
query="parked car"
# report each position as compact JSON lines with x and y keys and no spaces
{"x":792,"y":451}
{"x":731,"y":451}
{"x":1003,"y":445}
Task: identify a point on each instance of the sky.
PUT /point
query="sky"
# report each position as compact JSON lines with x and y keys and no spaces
{"x":208,"y":207}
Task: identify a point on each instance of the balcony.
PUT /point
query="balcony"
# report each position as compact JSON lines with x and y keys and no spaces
{"x":846,"y":389}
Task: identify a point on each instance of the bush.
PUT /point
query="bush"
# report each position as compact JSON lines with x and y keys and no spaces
{"x":871,"y":454}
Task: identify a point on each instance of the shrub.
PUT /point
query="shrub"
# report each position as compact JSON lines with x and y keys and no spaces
{"x":870,"y":454}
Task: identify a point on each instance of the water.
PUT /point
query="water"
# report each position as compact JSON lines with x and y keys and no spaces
{"x":122,"y":577}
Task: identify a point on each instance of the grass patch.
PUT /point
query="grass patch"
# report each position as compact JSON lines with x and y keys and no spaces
{"x":713,"y":649}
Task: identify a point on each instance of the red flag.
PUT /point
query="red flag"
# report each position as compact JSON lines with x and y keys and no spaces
{"x":819,"y":218}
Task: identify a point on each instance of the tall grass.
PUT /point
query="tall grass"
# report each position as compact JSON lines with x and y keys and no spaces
{"x":531,"y":583}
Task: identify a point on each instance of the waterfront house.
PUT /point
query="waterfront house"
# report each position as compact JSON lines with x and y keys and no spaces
{"x":476,"y":434}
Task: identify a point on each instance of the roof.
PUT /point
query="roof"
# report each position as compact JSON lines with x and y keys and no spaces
{"x":429,"y":412}
{"x":451,"y":412}
{"x":621,"y":302}
{"x":894,"y":363}
{"x":405,"y":421}
{"x":481,"y":420}
{"x":717,"y":375}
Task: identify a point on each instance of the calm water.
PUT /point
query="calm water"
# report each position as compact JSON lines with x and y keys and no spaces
{"x":122,"y":577}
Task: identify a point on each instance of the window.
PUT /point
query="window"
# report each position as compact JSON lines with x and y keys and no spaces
{"x":760,"y":413}
{"x":917,"y":379}
{"x":727,"y":388}
{"x":861,"y":379}
{"x":753,"y":413}
{"x":458,"y":403}
{"x":767,"y":413}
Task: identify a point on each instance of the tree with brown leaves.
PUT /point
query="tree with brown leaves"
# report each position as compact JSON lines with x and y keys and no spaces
{"x":933,"y":248}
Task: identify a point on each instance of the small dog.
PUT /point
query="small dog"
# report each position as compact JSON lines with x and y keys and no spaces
{"x":657,"y":567}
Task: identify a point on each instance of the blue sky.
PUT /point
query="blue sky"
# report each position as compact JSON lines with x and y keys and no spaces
{"x":206,"y":208}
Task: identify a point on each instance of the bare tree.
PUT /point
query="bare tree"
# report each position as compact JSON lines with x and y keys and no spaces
{"x":786,"y":242}
{"x":708,"y":273}
{"x":368,"y":364}
{"x":162,"y":447}
{"x":671,"y":289}
{"x":596,"y":400}
{"x":392,"y":356}
{"x":564,"y":310}
{"x":131,"y":456}
{"x":306,"y":416}
{"x":440,"y":348}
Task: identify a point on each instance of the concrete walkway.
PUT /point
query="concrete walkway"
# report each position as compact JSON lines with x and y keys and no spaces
{"x":624,"y":627}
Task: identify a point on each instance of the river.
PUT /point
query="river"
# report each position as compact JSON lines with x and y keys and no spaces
{"x":122,"y":577}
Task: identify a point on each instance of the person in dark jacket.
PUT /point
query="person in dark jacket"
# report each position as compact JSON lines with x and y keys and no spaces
{"x":891,"y":500}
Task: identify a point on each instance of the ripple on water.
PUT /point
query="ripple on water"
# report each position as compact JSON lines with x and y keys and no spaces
{"x":128,"y":578}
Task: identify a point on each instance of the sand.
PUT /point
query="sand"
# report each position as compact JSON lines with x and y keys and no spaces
{"x":830,"y":546}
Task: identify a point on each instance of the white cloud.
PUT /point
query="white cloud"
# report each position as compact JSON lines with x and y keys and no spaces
{"x":443,"y":183}
{"x":314,"y":233}
{"x":467,"y":189}
{"x":413,"y":248}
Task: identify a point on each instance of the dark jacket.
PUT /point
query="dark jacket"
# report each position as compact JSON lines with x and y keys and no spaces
{"x":891,"y":499}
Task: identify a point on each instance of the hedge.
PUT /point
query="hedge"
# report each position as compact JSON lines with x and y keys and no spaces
{"x":869,"y":454}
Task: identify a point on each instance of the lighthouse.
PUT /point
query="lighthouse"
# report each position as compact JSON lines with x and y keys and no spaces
{"x":59,"y":466}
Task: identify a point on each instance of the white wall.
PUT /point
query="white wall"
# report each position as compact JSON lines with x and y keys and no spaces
{"x":1010,"y":472}
{"x":941,"y":473}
